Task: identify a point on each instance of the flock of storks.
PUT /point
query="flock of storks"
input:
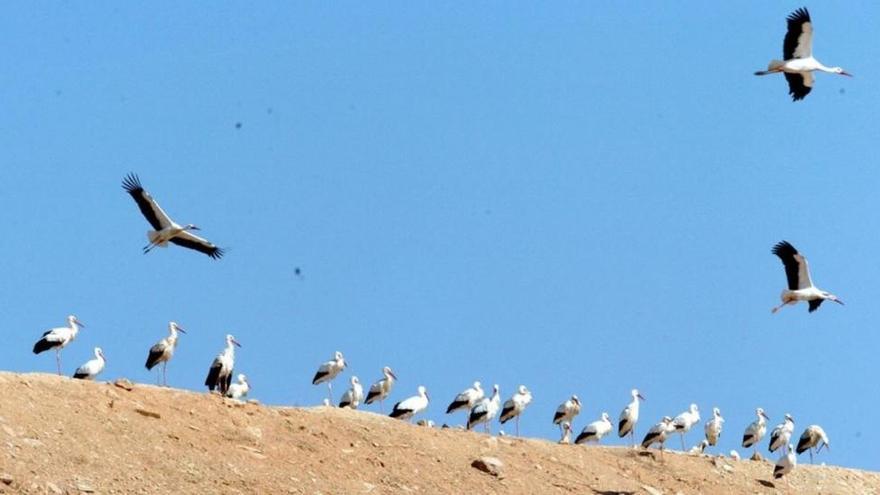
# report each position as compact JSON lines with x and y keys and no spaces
{"x":797,"y":67}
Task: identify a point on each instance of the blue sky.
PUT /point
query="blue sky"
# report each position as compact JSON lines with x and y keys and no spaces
{"x":579,"y":197}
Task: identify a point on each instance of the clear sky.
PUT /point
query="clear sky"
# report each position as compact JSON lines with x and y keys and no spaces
{"x":580,"y":197}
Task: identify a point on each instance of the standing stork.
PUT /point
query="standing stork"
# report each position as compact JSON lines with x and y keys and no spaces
{"x":411,"y":406}
{"x":685,"y":421}
{"x":785,"y":464}
{"x":328,"y":371}
{"x":58,"y":338}
{"x":467,"y":399}
{"x":812,"y":436}
{"x":380,"y":390}
{"x":485,"y":410}
{"x":781,"y":434}
{"x":166,"y":229}
{"x":713,"y":428}
{"x":626,"y":424}
{"x":163,"y":351}
{"x":220,"y":374}
{"x":755,"y":431}
{"x":514,"y":406}
{"x":567,"y":411}
{"x":658,"y":433}
{"x":92,"y":367}
{"x":797,"y":51}
{"x":800,"y":286}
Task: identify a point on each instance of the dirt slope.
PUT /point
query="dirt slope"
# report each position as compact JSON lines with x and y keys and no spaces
{"x":59,"y":435}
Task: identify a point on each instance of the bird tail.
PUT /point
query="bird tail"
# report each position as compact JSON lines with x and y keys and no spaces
{"x":773,"y":66}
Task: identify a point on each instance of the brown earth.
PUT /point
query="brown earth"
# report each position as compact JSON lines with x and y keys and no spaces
{"x":67,"y":436}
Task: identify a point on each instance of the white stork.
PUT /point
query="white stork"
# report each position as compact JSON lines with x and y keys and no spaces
{"x":658,"y":433}
{"x":797,"y":51}
{"x":239,"y":389}
{"x":58,"y":338}
{"x":163,"y":351}
{"x":328,"y":371}
{"x":166,"y":230}
{"x":594,"y":431}
{"x":812,"y":436}
{"x":466,"y":399}
{"x":629,"y":417}
{"x":220,"y":374}
{"x":699,"y":448}
{"x":92,"y":367}
{"x":485,"y":410}
{"x":514,"y":406}
{"x":785,"y":464}
{"x":755,"y":431}
{"x":411,"y":406}
{"x":353,"y":396}
{"x":781,"y":434}
{"x":565,"y":426}
{"x":800,"y":286}
{"x":567,"y":411}
{"x":380,"y":390}
{"x":685,"y":421}
{"x":713,"y":427}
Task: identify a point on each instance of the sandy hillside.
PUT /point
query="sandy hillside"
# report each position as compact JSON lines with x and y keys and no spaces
{"x":65,"y":436}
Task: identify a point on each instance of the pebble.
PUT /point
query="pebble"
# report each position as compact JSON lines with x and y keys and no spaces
{"x":6,"y":478}
{"x":491,"y":465}
{"x":53,"y":488}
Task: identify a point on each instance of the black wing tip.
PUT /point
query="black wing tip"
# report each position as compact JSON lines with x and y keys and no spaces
{"x":131,"y":183}
{"x":783,"y":248}
{"x":80,"y":376}
{"x":217,"y":253}
{"x":799,"y":15}
{"x":317,"y":377}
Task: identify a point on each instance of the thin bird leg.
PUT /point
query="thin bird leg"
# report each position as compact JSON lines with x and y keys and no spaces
{"x":164,"y":376}
{"x":517,"y":425}
{"x":58,"y":360}
{"x":330,"y":390}
{"x":682,"y":442}
{"x":811,"y":455}
{"x":381,"y":406}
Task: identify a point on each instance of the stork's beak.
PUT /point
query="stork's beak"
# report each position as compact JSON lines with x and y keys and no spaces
{"x":79,"y":322}
{"x":765,"y":416}
{"x":236,"y":342}
{"x":196,"y":227}
{"x":640,"y":396}
{"x":392,"y":375}
{"x":838,"y":301}
{"x":845,"y":73}
{"x":180,"y":329}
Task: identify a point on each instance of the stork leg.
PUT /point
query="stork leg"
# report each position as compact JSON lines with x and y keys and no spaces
{"x":517,"y":424}
{"x":381,"y":407}
{"x":330,"y":391}
{"x":58,"y":360}
{"x":164,"y":376}
{"x":811,"y":455}
{"x":682,"y":442}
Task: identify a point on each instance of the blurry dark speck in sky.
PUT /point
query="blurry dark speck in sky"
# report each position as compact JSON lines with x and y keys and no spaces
{"x":238,"y":125}
{"x":842,"y":91}
{"x":269,"y":110}
{"x":298,"y":272}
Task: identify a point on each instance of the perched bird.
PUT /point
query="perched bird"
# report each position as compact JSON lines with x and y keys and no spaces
{"x":466,"y":399}
{"x":594,"y":431}
{"x":785,"y":464}
{"x":567,"y":411}
{"x":380,"y":390}
{"x":220,"y":373}
{"x":626,"y":424}
{"x":485,"y":410}
{"x":699,"y":448}
{"x":734,"y":455}
{"x":166,"y":229}
{"x":58,"y":338}
{"x":658,"y":433}
{"x":353,"y":396}
{"x":755,"y":431}
{"x":812,"y":436}
{"x":713,"y":427}
{"x":798,"y":63}
{"x":781,"y":434}
{"x":565,"y":426}
{"x":685,"y":421}
{"x":92,"y":367}
{"x":411,"y":406}
{"x":163,"y":351}
{"x":800,"y":286}
{"x":514,"y":406}
{"x":239,"y":389}
{"x":328,"y":371}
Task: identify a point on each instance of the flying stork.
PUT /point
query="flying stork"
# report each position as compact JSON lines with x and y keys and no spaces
{"x":220,"y":373}
{"x":800,"y":287}
{"x":58,"y":338}
{"x":163,"y":351}
{"x":166,"y":229}
{"x":797,"y":51}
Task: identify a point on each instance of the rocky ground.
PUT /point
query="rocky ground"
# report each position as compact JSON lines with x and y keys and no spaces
{"x":66,"y":436}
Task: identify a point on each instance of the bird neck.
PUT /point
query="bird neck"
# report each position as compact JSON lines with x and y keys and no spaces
{"x":823,"y":68}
